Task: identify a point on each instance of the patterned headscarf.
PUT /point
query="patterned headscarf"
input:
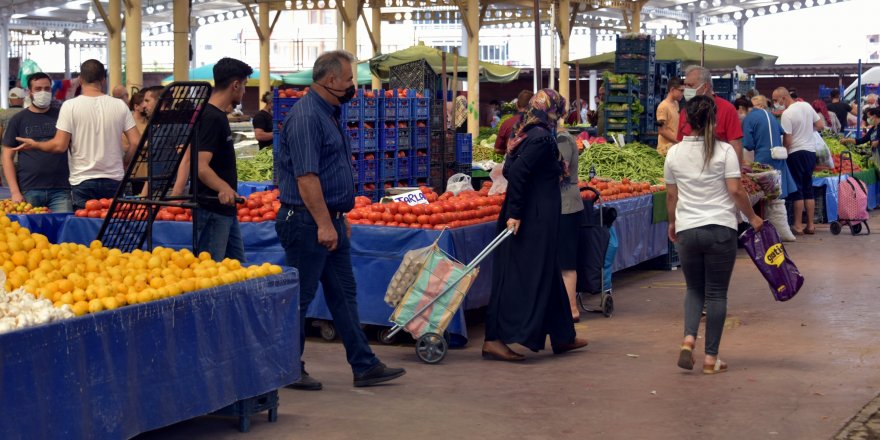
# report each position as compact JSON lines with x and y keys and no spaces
{"x":545,"y":108}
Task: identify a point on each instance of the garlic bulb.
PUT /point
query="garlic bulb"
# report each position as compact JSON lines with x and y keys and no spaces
{"x":19,"y":309}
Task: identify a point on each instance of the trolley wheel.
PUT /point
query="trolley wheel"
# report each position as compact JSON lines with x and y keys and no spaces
{"x":383,"y":336}
{"x":856,"y":228}
{"x":607,"y":305}
{"x":328,"y":330}
{"x":835,"y":228}
{"x":431,"y":348}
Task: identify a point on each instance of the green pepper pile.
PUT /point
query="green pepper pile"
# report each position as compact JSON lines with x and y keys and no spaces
{"x":257,"y":169}
{"x":635,"y":161}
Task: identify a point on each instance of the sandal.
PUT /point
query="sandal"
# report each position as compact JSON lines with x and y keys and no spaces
{"x":719,"y":367}
{"x":686,"y":357}
{"x":810,"y":231}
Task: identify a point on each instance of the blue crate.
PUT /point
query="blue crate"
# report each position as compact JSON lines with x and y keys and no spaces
{"x":420,"y":166}
{"x":370,"y":107}
{"x":621,"y":99}
{"x":280,"y":107}
{"x":389,"y":108}
{"x":387,"y":169}
{"x":640,"y":46}
{"x":464,"y":146}
{"x":368,"y":170}
{"x":421,"y":107}
{"x":369,"y":139}
{"x":634,"y":66}
{"x":354,"y":134}
{"x":404,"y":138}
{"x":373,"y":194}
{"x":388,"y":142}
{"x":404,"y":106}
{"x":421,"y":138}
{"x":352,"y":111}
{"x":419,"y":181}
{"x":245,"y":408}
{"x":403,"y":168}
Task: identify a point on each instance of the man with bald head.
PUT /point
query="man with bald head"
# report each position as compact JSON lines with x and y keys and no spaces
{"x":799,"y":121}
{"x":120,"y":92}
{"x":698,"y":82}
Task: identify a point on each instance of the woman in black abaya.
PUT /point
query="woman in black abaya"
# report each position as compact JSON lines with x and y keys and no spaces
{"x":529,"y":300}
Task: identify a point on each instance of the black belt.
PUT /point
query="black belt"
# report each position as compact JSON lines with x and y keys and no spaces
{"x":333,"y":214}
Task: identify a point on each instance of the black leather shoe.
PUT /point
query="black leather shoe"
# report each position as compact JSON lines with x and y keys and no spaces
{"x":378,"y":374}
{"x":306,"y":382}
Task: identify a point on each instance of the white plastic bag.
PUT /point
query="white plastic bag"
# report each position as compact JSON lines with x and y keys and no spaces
{"x":823,"y":153}
{"x":775,"y":212}
{"x":458,"y":183}
{"x":406,"y":274}
{"x":499,"y":182}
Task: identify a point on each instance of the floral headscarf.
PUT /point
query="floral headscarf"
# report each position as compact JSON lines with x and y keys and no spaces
{"x":545,"y":108}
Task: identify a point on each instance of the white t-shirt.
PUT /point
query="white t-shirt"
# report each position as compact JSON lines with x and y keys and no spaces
{"x":96,"y":125}
{"x":703,"y":198}
{"x":797,"y":120}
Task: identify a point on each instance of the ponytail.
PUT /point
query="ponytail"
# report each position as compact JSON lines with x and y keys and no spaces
{"x":700,"y":113}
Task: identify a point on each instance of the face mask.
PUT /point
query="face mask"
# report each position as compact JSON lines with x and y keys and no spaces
{"x":346,"y":95}
{"x":42,"y":99}
{"x":689,"y":93}
{"x":778,"y":107}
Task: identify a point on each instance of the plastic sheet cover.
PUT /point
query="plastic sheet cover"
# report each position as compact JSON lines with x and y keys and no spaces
{"x":118,"y":373}
{"x":639,"y":238}
{"x":46,"y":224}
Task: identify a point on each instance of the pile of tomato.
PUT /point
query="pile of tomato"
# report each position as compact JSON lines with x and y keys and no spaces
{"x":617,"y":190}
{"x":443,"y":211}
{"x":260,"y":206}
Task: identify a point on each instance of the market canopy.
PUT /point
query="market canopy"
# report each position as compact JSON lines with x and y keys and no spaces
{"x":304,"y":77}
{"x":381,"y":65}
{"x":206,"y":73}
{"x":689,"y":52}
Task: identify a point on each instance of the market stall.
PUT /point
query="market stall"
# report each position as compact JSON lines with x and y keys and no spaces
{"x":119,"y":373}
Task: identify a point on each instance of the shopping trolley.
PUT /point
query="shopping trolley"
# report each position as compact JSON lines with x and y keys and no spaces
{"x":597,"y":247}
{"x":433,"y":299}
{"x":852,"y":200}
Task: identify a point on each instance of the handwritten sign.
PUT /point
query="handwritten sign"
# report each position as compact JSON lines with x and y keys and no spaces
{"x":411,"y":198}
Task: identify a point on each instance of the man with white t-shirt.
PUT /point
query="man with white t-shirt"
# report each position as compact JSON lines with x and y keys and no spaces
{"x":89,"y":128}
{"x":799,"y":121}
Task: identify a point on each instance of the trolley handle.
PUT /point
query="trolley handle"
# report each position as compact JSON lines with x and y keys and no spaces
{"x":594,"y":191}
{"x":845,"y":156}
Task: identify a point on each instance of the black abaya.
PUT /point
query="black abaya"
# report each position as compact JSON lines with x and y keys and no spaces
{"x":528,"y":299}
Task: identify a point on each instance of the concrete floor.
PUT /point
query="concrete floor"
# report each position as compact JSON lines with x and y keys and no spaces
{"x":798,"y":370}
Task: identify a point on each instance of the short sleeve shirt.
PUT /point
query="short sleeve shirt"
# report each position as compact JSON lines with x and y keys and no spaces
{"x":668,"y":113}
{"x":263,"y":121}
{"x":37,"y":169}
{"x":312,"y":142}
{"x":703,"y":198}
{"x":797,"y":120}
{"x":212,"y":134}
{"x":727,"y":124}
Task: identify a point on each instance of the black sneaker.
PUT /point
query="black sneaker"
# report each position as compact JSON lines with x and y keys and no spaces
{"x":306,"y":383}
{"x":378,"y":374}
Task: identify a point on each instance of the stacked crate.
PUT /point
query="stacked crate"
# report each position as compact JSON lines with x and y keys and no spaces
{"x":663,"y":72}
{"x":389,"y":132}
{"x":281,"y":104}
{"x":636,"y":55}
{"x":627,"y":93}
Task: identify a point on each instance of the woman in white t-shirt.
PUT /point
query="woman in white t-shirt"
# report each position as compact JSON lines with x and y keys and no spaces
{"x":703,"y":195}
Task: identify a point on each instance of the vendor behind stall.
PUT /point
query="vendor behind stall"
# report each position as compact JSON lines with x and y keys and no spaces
{"x":522,"y":104}
{"x":89,"y":127}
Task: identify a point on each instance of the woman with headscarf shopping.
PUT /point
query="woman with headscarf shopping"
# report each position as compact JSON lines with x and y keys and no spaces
{"x":703,"y":193}
{"x":528,"y":299}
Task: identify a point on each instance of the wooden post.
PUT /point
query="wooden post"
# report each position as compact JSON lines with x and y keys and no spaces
{"x":180,"y":16}
{"x":473,"y":74}
{"x":265,"y":39}
{"x":564,"y":30}
{"x":377,"y":37}
{"x":114,"y":34}
{"x":134,"y":76}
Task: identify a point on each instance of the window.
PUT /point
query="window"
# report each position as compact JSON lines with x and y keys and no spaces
{"x":314,"y":17}
{"x":329,"y":17}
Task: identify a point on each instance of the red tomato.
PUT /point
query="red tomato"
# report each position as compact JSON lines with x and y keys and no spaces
{"x":387,"y":217}
{"x":418,"y":210}
{"x":245,"y":219}
{"x":424,"y":219}
{"x":404,"y":209}
{"x":81,"y":213}
{"x":374,"y":216}
{"x":94,"y":213}
{"x":180,"y":218}
{"x":398,"y":218}
{"x":105,"y":203}
{"x":270,"y":216}
{"x":410,"y":218}
{"x":252,"y":204}
{"x":243,"y":212}
{"x":377,"y":207}
{"x":394,"y":207}
{"x":436,"y":219}
{"x":355,"y":215}
{"x":175,"y":210}
{"x":92,"y":205}
{"x":379,"y":223}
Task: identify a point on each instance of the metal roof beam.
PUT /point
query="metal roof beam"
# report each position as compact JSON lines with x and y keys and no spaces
{"x":665,"y":13}
{"x":39,"y":25}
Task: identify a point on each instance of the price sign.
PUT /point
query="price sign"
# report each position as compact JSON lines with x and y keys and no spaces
{"x":411,"y":198}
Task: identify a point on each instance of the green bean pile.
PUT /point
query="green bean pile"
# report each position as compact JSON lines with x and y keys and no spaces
{"x":637,"y":162}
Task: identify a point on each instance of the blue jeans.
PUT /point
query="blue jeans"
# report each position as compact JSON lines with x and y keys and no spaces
{"x":298,"y":234}
{"x":93,"y":189}
{"x":219,"y":235}
{"x":57,"y":200}
{"x":707,"y":255}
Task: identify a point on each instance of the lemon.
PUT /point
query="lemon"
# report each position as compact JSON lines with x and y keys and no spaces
{"x":95,"y":305}
{"x":80,"y":308}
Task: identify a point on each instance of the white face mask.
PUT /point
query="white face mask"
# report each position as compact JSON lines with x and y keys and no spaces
{"x":42,"y":99}
{"x":778,"y":107}
{"x":689,"y":93}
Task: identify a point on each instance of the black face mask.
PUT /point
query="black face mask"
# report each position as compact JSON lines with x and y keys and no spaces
{"x":346,"y":96}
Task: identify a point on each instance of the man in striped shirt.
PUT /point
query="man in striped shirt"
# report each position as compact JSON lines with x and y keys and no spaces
{"x":313,"y":167}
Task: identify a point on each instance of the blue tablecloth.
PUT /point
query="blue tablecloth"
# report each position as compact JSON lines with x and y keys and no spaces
{"x":119,"y":373}
{"x":247,"y":188}
{"x":47,"y":224}
{"x":376,"y":254}
{"x":639,"y":239}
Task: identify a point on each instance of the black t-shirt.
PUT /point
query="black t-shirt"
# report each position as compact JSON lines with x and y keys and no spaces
{"x":213,"y":134}
{"x":37,"y":169}
{"x":263,"y":121}
{"x":840,"y":109}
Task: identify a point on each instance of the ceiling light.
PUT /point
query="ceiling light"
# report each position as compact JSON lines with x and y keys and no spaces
{"x":17,"y":16}
{"x":288,"y":4}
{"x":150,"y":9}
{"x":737,"y":15}
{"x":760,"y":11}
{"x":211,"y":19}
{"x":808,"y":3}
{"x":784,"y":7}
{"x":773,"y":9}
{"x":750,"y":13}
{"x":716,"y":3}
{"x":239,"y":13}
{"x":90,"y":15}
{"x":160,"y":7}
{"x":797,"y":5}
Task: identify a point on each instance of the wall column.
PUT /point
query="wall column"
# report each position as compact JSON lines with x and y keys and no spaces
{"x":114,"y":40}
{"x":134,"y":76}
{"x":472,"y":15}
{"x":377,"y":39}
{"x":180,"y":16}
{"x":740,"y":32}
{"x":265,"y":40}
{"x":4,"y":60}
{"x":564,"y":43}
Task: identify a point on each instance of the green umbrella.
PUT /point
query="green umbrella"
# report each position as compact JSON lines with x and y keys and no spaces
{"x":304,"y":77}
{"x":206,"y":73}
{"x":689,"y":52}
{"x":382,"y":64}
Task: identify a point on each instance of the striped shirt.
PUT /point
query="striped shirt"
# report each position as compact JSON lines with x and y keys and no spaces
{"x":312,"y":142}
